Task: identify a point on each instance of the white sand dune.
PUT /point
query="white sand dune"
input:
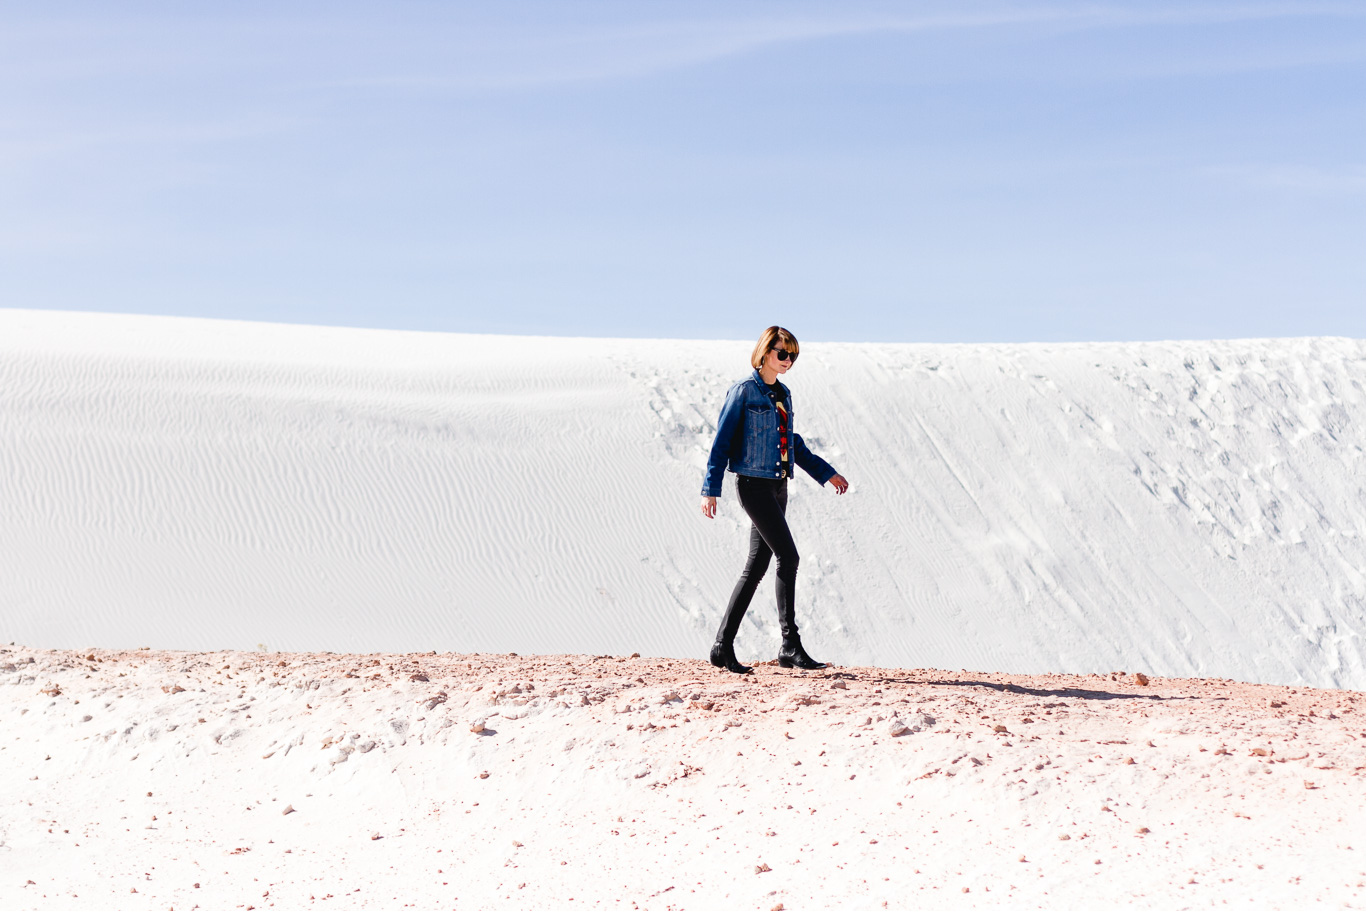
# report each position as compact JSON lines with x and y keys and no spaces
{"x":1182,"y":508}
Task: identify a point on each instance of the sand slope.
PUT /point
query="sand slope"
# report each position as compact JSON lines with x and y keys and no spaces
{"x":1180,"y":508}
{"x":163,"y":779}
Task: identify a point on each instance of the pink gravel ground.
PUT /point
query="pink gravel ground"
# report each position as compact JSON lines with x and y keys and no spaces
{"x":133,"y":779}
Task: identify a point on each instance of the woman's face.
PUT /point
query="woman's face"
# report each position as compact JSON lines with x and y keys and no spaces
{"x":772,"y":362}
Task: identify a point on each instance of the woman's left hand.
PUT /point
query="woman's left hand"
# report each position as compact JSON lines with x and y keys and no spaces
{"x":839,"y":483}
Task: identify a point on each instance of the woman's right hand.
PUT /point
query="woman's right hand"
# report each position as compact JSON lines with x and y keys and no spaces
{"x":709,"y":507}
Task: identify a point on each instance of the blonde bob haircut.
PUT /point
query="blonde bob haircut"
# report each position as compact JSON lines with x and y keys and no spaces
{"x":769,"y":340}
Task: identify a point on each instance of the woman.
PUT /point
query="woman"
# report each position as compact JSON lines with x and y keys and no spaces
{"x":755,"y":439}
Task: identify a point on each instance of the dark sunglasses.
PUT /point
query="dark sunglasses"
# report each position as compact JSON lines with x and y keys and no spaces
{"x":785,"y":355}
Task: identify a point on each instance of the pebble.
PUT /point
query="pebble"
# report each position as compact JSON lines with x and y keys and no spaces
{"x":912,"y":724}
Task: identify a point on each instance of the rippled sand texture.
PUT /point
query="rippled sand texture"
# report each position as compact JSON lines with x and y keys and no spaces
{"x":1181,"y":508}
{"x":233,"y":780}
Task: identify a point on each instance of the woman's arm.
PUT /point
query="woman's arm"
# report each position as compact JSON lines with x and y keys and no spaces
{"x":732,"y":413}
{"x":813,"y":464}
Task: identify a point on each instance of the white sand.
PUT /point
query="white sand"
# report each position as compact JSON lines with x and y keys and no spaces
{"x":1182,"y":508}
{"x":651,"y":783}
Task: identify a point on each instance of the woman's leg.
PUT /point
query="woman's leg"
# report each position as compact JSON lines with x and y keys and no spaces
{"x":756,"y":564}
{"x":779,"y":539}
{"x":769,"y":513}
{"x":765,"y":501}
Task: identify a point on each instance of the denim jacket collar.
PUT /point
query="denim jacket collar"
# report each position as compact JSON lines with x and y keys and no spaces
{"x":763,"y":387}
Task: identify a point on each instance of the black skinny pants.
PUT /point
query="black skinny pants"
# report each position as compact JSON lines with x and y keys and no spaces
{"x":765,"y":501}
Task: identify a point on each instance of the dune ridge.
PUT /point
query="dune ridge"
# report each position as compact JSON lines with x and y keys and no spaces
{"x":1180,"y":508}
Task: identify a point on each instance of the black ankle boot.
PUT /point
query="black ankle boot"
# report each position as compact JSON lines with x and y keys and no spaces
{"x":723,"y":656}
{"x":793,"y":655}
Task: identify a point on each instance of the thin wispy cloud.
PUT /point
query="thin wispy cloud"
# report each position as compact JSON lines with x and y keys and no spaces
{"x":19,"y":146}
{"x":491,"y":55}
{"x":502,"y":61}
{"x":1300,"y":179}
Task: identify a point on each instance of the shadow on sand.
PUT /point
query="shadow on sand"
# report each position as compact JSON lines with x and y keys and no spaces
{"x":1067,"y":692}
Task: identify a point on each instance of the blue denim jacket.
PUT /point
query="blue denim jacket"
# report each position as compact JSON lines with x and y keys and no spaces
{"x":747,"y":438}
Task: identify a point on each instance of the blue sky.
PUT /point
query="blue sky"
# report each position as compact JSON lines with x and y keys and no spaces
{"x":855,"y":171}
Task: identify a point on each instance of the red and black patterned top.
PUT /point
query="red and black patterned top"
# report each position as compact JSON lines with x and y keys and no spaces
{"x":783,"y":456}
